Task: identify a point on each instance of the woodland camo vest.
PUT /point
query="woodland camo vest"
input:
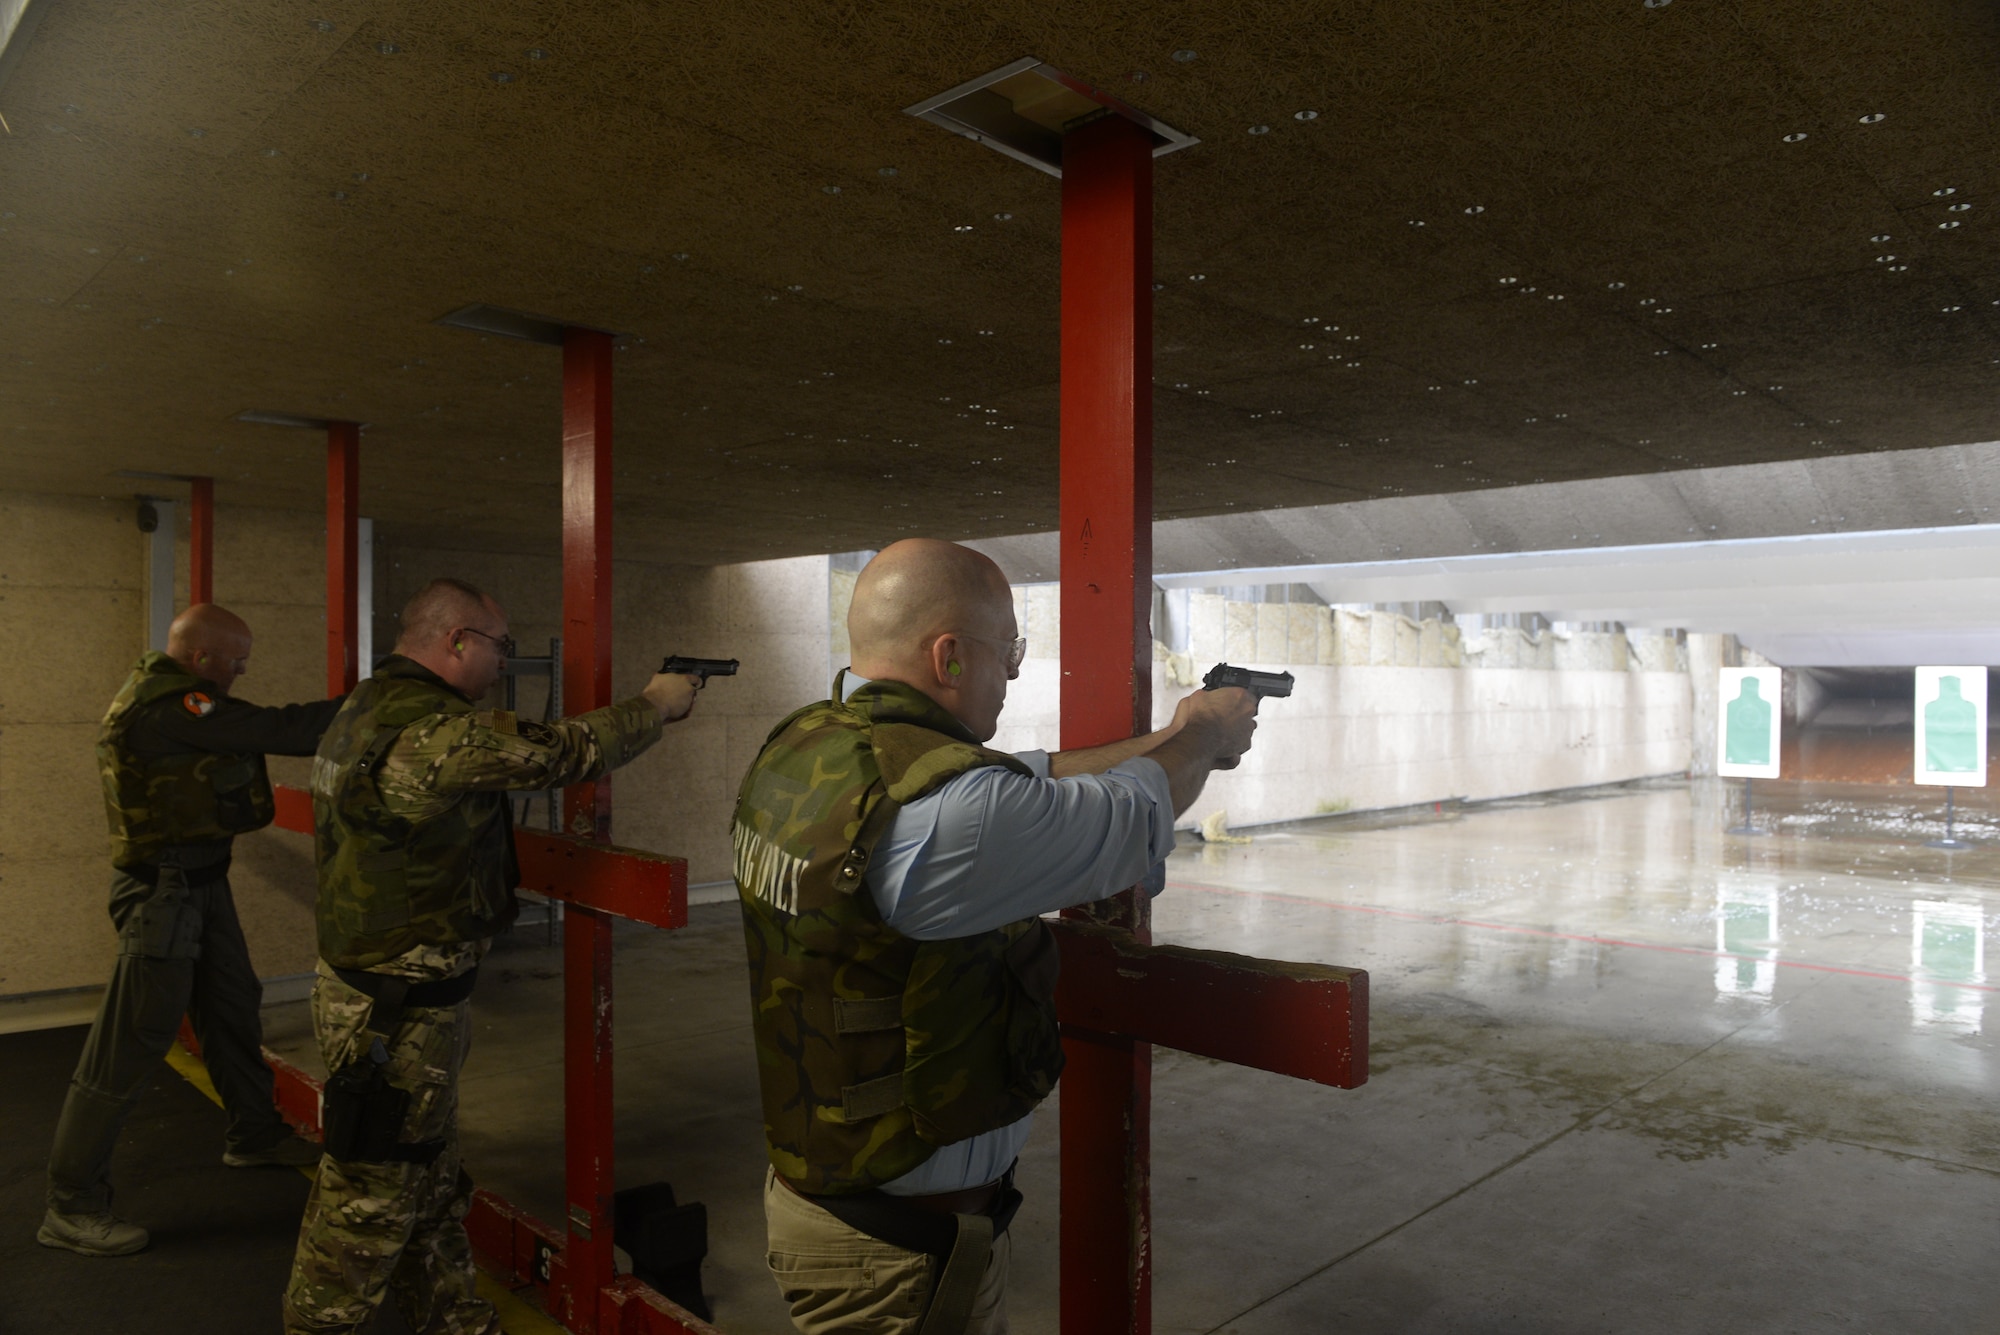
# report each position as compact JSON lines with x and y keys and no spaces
{"x":187,"y":798}
{"x":388,"y":883}
{"x":874,"y":1049}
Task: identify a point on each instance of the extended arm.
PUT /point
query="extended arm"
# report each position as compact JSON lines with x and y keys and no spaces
{"x":236,"y":726}
{"x":493,"y":750}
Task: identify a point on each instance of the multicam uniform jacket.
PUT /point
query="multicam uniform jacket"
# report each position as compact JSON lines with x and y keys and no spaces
{"x":414,"y":832}
{"x":874,"y":1049}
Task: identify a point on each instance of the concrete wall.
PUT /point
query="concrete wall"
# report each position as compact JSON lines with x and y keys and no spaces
{"x":73,"y":584}
{"x":1361,"y":738}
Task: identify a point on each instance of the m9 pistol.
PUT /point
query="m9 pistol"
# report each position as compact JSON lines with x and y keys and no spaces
{"x":703,"y":668}
{"x":1260,"y":684}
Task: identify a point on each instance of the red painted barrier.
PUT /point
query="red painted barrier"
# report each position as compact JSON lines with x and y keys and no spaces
{"x":1308,"y":1021}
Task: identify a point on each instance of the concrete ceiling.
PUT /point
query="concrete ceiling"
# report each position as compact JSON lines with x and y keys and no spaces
{"x":1536,"y":243}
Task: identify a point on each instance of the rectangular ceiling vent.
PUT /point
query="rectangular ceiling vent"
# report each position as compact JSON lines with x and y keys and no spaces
{"x":483,"y":319}
{"x":1024,"y":110}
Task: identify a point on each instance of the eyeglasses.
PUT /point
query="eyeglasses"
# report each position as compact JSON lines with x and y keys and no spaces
{"x":504,"y":643}
{"x":1015,"y":649}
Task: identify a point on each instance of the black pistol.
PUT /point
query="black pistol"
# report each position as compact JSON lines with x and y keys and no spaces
{"x":1260,"y":684}
{"x":704,"y":668}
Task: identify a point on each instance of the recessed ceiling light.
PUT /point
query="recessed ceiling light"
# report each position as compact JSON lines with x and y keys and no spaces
{"x":1416,"y":222}
{"x":1898,"y":268}
{"x":1614,"y":286}
{"x":1658,"y":4}
{"x":795,"y":287}
{"x":680,"y":254}
{"x":945,"y":341}
{"x":1183,"y":55}
{"x":1884,"y":259}
{"x":829,"y":190}
{"x":1003,"y":217}
{"x":536,"y":53}
{"x":1795,"y":136}
{"x":1942,"y":191}
{"x":1260,"y":129}
{"x":963,"y":227}
{"x":1880,"y":237}
{"x":1475,"y":209}
{"x":1949,"y":309}
{"x":1710,"y":347}
{"x":1948,"y":225}
{"x":1873,"y":117}
{"x":1958,"y":208}
{"x":988,"y":333}
{"x":387,"y":48}
{"x":1197,"y":277}
{"x":1305,"y":115}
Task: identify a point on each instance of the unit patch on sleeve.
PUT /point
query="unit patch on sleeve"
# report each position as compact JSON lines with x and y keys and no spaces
{"x":198,"y":703}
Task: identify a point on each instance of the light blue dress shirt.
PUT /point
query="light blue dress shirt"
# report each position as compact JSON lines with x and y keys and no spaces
{"x":993,"y":847}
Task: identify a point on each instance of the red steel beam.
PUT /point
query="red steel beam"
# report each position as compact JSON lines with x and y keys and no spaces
{"x":1308,"y":1021}
{"x":343,"y":537}
{"x":1106,"y":600}
{"x":587,"y":1096}
{"x":201,"y":540}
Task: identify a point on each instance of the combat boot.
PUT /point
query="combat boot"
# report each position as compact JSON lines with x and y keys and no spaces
{"x":289,"y":1152}
{"x":99,"y":1233}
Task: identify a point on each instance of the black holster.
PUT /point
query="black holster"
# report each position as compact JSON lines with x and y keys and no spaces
{"x":363,"y":1113}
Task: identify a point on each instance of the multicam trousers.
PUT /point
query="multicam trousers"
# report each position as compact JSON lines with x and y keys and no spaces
{"x":394,"y":1228}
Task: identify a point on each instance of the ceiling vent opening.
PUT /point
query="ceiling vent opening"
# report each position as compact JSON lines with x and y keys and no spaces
{"x":1024,"y":109}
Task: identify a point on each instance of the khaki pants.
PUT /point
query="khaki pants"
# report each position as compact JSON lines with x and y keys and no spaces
{"x":840,"y":1281}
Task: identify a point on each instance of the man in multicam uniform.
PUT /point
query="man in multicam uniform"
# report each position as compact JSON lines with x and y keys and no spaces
{"x":892,"y":872}
{"x":182,"y":764}
{"x":416,"y":875}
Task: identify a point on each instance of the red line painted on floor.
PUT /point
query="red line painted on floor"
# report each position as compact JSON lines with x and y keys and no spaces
{"x":1445,"y":920}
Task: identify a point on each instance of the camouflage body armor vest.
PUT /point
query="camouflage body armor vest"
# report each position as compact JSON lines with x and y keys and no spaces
{"x":188,"y":798}
{"x":874,"y":1049}
{"x":388,"y":883}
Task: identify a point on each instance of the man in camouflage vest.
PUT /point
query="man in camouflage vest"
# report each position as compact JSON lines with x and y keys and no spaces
{"x":182,"y":763}
{"x":892,"y":872}
{"x":416,"y":875}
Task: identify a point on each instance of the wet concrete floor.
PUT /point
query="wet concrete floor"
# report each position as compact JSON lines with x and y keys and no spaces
{"x":1630,"y":1073}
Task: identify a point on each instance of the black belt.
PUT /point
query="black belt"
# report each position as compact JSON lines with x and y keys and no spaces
{"x":436,"y":994}
{"x":199,"y":864}
{"x":902,"y":1223}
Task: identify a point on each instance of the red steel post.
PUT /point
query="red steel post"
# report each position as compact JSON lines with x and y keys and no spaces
{"x":587,"y":1092}
{"x":343,"y":534}
{"x":201,"y":540}
{"x":1106,"y":599}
